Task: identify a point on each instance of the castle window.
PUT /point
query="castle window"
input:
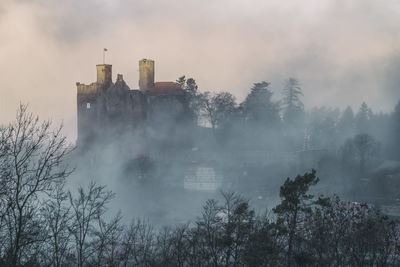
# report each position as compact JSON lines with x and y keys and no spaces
{"x":88,"y":105}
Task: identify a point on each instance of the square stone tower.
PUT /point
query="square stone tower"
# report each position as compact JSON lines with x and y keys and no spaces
{"x":104,"y":74}
{"x":146,"y":74}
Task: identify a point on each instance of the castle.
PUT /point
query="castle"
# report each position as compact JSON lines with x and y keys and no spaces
{"x":156,"y":124}
{"x":159,"y":110}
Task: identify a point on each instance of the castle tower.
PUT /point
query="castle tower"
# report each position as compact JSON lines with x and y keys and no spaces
{"x":146,"y":74}
{"x":104,"y":74}
{"x":86,"y":109}
{"x":87,"y":103}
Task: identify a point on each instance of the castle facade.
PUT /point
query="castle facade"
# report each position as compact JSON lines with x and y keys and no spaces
{"x":157,"y":110}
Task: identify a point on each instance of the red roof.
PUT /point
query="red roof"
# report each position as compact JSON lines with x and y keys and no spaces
{"x":165,"y":88}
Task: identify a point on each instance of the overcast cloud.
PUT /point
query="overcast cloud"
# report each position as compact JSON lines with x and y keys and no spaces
{"x":343,"y":52}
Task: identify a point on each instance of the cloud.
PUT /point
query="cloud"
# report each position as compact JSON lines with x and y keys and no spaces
{"x":343,"y":52}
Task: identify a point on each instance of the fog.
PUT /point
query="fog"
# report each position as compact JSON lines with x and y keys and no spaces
{"x":157,"y":163}
{"x":265,"y":94}
{"x":340,"y":51}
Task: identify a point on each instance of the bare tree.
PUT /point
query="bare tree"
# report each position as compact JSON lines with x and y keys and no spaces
{"x":238,"y":222}
{"x":138,"y":244}
{"x":174,"y":247}
{"x":107,"y":242}
{"x":223,"y":231}
{"x":350,"y":234}
{"x":209,"y":227}
{"x":32,"y":164}
{"x":57,"y":216}
{"x":218,"y":108}
{"x":4,"y":138}
{"x":87,"y":207}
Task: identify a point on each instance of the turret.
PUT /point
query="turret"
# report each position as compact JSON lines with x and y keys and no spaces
{"x":104,"y":74}
{"x":146,"y":74}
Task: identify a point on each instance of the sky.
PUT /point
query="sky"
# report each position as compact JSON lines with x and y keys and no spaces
{"x":343,"y":52}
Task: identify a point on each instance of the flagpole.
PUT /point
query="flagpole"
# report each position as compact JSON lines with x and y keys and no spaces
{"x":104,"y":55}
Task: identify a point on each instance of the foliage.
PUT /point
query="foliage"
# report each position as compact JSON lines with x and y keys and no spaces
{"x":259,"y":106}
{"x":362,"y":119}
{"x":71,"y":230}
{"x":194,"y":98}
{"x":293,"y":106}
{"x":346,"y":124}
{"x":296,"y":204}
{"x":322,"y":128}
{"x":43,"y":224}
{"x":394,"y":135}
{"x":219,"y":109}
{"x":360,"y":149}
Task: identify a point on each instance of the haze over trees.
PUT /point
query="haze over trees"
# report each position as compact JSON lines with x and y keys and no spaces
{"x":256,"y":143}
{"x":352,"y":145}
{"x":293,"y":106}
{"x":63,"y":228}
{"x":32,"y":167}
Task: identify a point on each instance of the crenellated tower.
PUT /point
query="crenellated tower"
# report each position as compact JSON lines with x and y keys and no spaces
{"x":104,"y":75}
{"x":146,"y":74}
{"x":87,"y":102}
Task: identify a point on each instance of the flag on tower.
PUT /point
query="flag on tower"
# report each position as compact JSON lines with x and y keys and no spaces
{"x":104,"y":55}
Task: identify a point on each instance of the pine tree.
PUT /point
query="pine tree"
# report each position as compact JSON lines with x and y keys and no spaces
{"x":346,"y":125}
{"x":293,"y":106}
{"x":296,"y":201}
{"x":363,"y":118}
{"x":259,"y":107}
{"x":395,"y":132}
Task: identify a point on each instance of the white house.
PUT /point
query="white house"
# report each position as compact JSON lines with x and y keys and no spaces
{"x":204,"y":179}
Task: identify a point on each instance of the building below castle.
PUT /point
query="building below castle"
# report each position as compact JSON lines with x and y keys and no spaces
{"x":203,"y":178}
{"x":107,"y":110}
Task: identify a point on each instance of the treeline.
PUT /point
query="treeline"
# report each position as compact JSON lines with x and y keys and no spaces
{"x":43,"y":224}
{"x":353,"y":143}
{"x":287,"y":119}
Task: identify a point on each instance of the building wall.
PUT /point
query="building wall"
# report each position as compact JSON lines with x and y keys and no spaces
{"x":86,"y":110}
{"x":204,"y":179}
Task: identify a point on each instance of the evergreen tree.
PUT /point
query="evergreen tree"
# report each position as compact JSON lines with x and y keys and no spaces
{"x":321,"y":128}
{"x":346,"y":124}
{"x":296,"y":202}
{"x":189,"y":85}
{"x":259,"y":107}
{"x":293,"y":114}
{"x":395,"y":133}
{"x":293,"y":106}
{"x":363,"y":118}
{"x":181,"y":81}
{"x":194,"y":98}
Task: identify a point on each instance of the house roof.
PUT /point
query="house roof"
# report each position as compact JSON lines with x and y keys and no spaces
{"x":165,"y":88}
